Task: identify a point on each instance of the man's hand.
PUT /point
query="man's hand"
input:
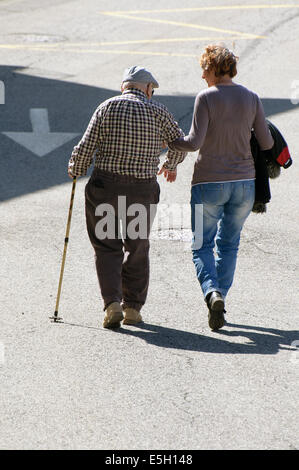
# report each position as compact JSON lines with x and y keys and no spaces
{"x":70,"y":173}
{"x":170,"y":175}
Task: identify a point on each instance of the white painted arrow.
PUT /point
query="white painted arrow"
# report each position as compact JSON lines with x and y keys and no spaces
{"x":41,"y":141}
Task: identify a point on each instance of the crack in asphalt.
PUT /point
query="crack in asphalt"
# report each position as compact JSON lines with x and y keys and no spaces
{"x":254,"y":44}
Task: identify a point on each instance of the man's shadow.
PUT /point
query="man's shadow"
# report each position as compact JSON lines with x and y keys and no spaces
{"x":259,"y":340}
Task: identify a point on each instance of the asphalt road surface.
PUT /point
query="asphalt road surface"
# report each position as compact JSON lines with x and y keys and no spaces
{"x":170,"y":383}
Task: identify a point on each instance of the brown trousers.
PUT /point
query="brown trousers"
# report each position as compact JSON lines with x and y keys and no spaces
{"x":122,"y":263}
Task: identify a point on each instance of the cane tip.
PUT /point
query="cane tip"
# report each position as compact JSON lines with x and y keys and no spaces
{"x":55,"y":318}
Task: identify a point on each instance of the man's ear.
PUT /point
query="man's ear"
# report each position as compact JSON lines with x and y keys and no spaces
{"x":148,"y":94}
{"x":122,"y":87}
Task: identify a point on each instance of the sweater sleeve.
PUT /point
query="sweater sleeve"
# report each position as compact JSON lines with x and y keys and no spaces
{"x":200,"y":121}
{"x":172,"y":131}
{"x":261,"y":129}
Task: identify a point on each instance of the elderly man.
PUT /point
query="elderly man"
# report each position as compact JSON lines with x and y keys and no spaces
{"x":126,"y":133}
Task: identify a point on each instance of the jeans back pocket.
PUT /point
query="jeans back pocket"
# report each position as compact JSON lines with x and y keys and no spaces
{"x":212,"y":193}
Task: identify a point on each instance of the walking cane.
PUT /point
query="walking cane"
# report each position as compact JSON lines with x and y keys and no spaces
{"x":55,"y":317}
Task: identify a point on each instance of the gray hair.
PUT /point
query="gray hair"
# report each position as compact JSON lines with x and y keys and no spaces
{"x":128,"y":85}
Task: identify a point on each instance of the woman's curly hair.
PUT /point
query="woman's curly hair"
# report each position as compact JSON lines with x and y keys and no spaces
{"x":220,"y":59}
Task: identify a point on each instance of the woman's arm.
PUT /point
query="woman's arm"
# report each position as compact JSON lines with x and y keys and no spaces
{"x":261,"y":128}
{"x":198,"y":130}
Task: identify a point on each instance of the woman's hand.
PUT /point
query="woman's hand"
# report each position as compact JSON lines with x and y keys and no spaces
{"x":170,"y":175}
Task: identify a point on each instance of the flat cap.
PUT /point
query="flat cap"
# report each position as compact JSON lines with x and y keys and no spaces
{"x":139,"y":74}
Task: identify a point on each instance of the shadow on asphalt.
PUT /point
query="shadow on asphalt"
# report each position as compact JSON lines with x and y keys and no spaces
{"x":260,"y":340}
{"x":63,"y":107}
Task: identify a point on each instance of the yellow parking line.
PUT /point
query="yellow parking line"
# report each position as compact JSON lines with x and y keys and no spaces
{"x":211,"y":8}
{"x":63,"y":45}
{"x":155,"y":41}
{"x":130,"y":52}
{"x":188,"y":25}
{"x":28,"y":46}
{"x":94,"y":51}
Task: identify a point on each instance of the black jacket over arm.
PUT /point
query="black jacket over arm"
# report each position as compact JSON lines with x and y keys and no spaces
{"x":268,"y":164}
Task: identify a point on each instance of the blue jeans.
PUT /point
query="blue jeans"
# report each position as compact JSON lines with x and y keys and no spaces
{"x":218,"y":212}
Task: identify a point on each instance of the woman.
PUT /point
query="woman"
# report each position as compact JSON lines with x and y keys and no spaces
{"x":223,"y":186}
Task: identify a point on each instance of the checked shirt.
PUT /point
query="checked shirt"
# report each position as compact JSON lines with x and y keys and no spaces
{"x":125,"y":136}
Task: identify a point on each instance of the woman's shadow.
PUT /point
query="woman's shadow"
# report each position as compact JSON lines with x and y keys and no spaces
{"x":259,"y":340}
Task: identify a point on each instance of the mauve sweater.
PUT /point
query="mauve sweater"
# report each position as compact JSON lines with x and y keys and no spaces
{"x":223,"y":118}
